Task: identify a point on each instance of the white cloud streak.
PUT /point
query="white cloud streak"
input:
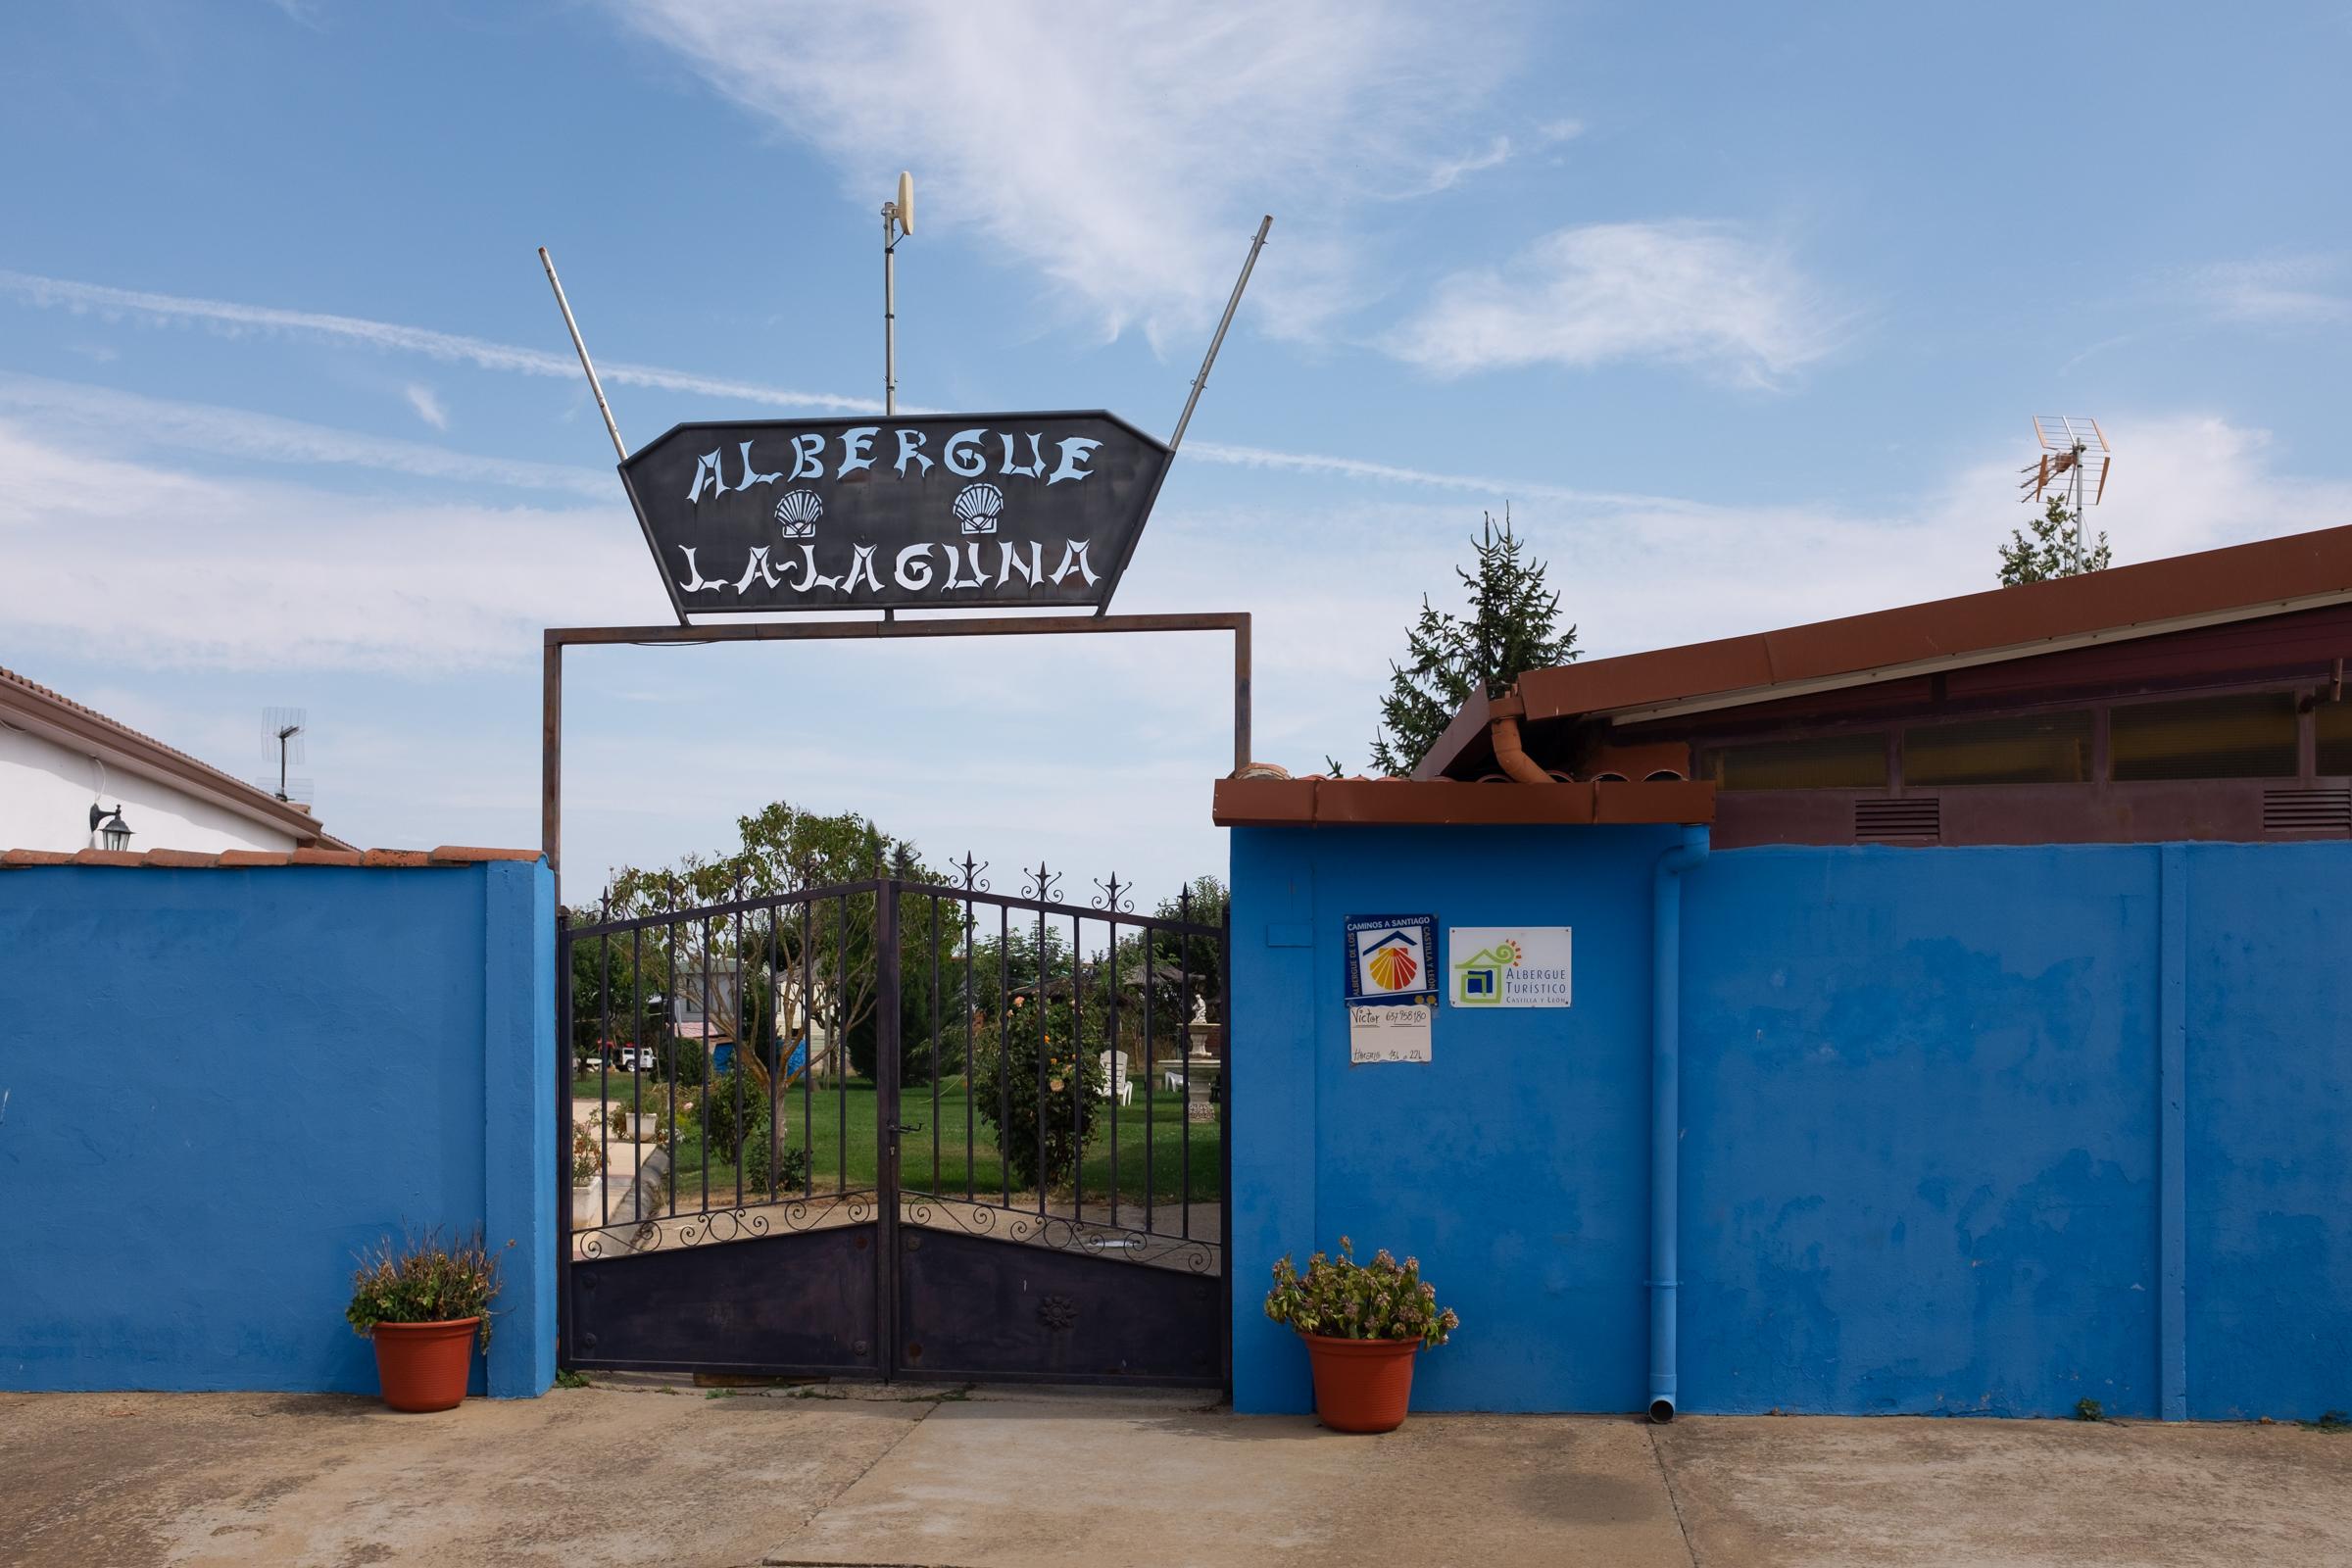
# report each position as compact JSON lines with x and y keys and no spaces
{"x":285,"y":440}
{"x":1693,"y":293}
{"x":102,"y":416}
{"x":2278,"y":290}
{"x":1124,"y":152}
{"x":244,"y":573}
{"x":450,"y":348}
{"x":428,"y":403}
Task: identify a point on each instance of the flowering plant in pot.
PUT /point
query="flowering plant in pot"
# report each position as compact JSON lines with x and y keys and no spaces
{"x":424,"y":1304}
{"x":1363,"y":1323}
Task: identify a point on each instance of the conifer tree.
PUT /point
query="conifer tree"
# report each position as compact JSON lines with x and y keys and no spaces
{"x":2050,"y":553}
{"x":1512,"y":626}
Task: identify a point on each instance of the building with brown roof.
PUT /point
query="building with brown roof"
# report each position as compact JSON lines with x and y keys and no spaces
{"x":72,"y":778}
{"x":2196,"y":697}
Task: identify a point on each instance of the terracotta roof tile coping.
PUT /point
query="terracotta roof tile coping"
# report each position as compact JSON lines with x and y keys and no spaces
{"x":1316,"y":801}
{"x":447,"y":854}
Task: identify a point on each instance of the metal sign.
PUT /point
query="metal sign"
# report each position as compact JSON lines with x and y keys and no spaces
{"x":1391,"y":960}
{"x":1510,"y":966}
{"x":939,"y":511}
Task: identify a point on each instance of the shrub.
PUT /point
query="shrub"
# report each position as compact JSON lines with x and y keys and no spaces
{"x":791,"y":1162}
{"x":2089,"y":1411}
{"x":1345,"y":1300}
{"x":423,"y":1280}
{"x":1006,"y":1089}
{"x":587,"y":1156}
{"x":737,"y":1101}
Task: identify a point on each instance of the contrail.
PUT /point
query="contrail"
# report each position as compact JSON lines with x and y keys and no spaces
{"x":449,"y":347}
{"x":484,"y":354}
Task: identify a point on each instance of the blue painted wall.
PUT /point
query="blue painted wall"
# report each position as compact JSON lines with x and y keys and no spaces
{"x":222,"y":1084}
{"x":1925,"y":1137}
{"x":1513,"y":1164}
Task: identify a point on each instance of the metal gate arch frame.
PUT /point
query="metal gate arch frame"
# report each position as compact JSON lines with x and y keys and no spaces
{"x":889,"y":1305}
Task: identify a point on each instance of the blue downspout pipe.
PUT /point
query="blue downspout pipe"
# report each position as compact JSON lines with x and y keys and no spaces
{"x":1666,"y":1111}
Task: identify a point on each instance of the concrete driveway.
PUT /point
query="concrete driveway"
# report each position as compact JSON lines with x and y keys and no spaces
{"x":977,"y":1478}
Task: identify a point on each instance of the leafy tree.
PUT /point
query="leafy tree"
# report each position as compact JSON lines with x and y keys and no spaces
{"x":1040,"y":1084}
{"x":1512,"y":626}
{"x":824,"y":972}
{"x":2050,"y":552}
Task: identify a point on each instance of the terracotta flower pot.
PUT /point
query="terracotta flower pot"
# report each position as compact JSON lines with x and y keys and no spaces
{"x":422,"y":1366}
{"x":1361,"y":1385}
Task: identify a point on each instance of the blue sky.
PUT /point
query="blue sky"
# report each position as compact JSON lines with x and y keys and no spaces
{"x":1742,"y":313}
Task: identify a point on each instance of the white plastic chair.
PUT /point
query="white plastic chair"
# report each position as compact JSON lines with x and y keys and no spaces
{"x":1114,"y":1068}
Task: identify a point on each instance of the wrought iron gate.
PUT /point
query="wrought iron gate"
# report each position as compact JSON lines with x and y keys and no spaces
{"x":890,"y":1129}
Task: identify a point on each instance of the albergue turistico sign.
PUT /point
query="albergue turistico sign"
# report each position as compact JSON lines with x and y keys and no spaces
{"x":971,"y":511}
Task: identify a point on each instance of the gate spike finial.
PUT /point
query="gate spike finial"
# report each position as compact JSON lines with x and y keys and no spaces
{"x":1039,"y":884}
{"x":1111,"y":899}
{"x":973,"y":881}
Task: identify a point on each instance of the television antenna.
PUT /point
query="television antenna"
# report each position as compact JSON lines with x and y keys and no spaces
{"x":897,"y":222}
{"x":284,"y":728}
{"x":2074,"y":449}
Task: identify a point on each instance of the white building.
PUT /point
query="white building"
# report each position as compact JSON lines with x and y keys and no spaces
{"x":66,"y":770}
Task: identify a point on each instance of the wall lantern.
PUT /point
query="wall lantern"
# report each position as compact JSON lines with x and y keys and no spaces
{"x":111,"y":827}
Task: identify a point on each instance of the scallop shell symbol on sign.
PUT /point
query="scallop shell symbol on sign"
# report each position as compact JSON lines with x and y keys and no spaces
{"x":797,"y":512}
{"x":977,"y":507}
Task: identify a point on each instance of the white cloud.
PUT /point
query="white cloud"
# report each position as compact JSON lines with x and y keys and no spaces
{"x":285,"y":440}
{"x":226,"y":315}
{"x":99,"y":416}
{"x":1241,"y":457}
{"x":428,"y":403}
{"x":1700,"y":294}
{"x":2278,"y":290}
{"x":127,"y":562}
{"x":1125,"y":151}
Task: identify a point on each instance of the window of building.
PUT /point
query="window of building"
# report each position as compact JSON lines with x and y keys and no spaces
{"x":2019,"y":748}
{"x":2334,"y":722}
{"x":1824,"y":762}
{"x":2244,"y":735}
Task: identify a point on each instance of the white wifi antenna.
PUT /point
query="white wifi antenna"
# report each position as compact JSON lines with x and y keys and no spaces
{"x":897,"y":222}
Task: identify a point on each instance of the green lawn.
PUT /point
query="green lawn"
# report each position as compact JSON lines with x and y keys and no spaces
{"x":976,"y":1164}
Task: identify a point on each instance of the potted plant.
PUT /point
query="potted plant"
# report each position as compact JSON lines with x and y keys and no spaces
{"x":425,"y":1305}
{"x":636,"y":1125}
{"x":1363,"y":1323}
{"x":587,"y":1156}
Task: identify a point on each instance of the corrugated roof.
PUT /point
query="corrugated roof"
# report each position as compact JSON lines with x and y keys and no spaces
{"x":87,"y":724}
{"x":2210,"y":587}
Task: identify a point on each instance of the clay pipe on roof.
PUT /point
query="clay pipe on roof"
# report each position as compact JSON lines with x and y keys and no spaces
{"x":1503,"y":728}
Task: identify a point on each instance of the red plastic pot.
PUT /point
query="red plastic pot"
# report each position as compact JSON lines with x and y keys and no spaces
{"x":1361,"y":1385}
{"x":423,"y":1366}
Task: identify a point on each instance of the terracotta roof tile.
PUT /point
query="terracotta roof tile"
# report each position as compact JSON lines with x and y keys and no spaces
{"x":1386,"y":801}
{"x":449,"y":854}
{"x":184,"y":859}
